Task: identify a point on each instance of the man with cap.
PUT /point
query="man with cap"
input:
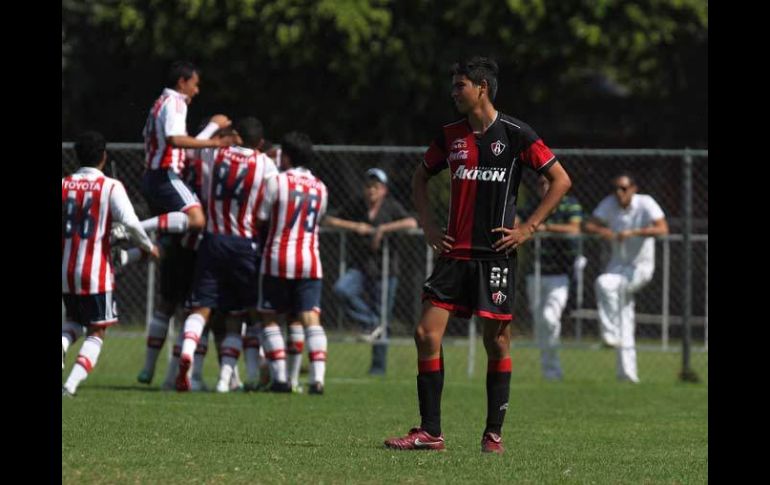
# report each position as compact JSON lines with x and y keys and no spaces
{"x":360,"y":288}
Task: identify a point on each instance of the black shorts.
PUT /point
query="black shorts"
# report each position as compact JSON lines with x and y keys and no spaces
{"x":226,"y":272}
{"x":166,"y":192}
{"x":467,"y":287}
{"x":176,"y":269}
{"x":289,"y":296}
{"x":98,"y":310}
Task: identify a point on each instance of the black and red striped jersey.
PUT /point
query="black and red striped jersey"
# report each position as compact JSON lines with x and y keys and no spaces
{"x":485,"y":173}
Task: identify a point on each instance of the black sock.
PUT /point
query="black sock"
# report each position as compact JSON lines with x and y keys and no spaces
{"x":430,"y":383}
{"x":498,"y":390}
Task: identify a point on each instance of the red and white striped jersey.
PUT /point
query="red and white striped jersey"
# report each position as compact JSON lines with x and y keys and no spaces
{"x":295,"y":200}
{"x":168,"y":117}
{"x":91,"y":202}
{"x":233,"y":188}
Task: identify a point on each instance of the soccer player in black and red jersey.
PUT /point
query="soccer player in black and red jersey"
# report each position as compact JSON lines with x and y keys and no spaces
{"x":486,"y":152}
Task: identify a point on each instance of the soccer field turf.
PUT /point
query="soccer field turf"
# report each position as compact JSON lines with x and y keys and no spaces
{"x":587,"y":429}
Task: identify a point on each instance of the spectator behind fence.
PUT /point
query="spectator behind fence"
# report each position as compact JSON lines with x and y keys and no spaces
{"x":557,"y":258}
{"x":628,"y":221}
{"x":360,"y":287}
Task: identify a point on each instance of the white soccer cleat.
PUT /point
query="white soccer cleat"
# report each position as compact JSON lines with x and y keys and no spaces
{"x":223,"y":386}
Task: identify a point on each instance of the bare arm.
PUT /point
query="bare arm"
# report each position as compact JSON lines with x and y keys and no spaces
{"x":559,"y":184}
{"x":658,"y":228}
{"x":435,"y":238}
{"x":597,"y":226}
{"x":398,"y":225}
{"x":361,"y":228}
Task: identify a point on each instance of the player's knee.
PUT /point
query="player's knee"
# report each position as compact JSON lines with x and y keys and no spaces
{"x":196,"y":221}
{"x":426,"y":339}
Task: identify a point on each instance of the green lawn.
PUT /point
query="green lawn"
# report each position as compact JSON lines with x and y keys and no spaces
{"x":587,"y":429}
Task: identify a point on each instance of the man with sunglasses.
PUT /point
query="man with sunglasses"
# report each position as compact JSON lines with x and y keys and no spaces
{"x":629,"y":221}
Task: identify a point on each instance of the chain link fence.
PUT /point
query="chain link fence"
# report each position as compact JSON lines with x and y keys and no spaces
{"x":659,"y":305}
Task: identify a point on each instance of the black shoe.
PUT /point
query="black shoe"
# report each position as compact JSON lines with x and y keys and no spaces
{"x":66,"y":393}
{"x":316,"y":388}
{"x":279,"y":387}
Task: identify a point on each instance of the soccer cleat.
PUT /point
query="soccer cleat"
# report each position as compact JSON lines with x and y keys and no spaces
{"x":372,"y":335}
{"x":316,"y":388}
{"x":297,"y":389}
{"x":250,"y":386}
{"x":492,"y":443}
{"x":223,"y":386}
{"x":197,"y":385}
{"x":182,"y":377}
{"x":416,"y":439}
{"x":66,"y":393}
{"x":279,"y":387}
{"x":144,"y":377}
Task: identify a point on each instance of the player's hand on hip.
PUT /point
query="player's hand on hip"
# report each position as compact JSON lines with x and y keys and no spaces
{"x":438,"y":240}
{"x":512,"y":238}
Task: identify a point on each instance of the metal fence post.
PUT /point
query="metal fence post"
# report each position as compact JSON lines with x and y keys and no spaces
{"x":687,"y":374}
{"x":666,"y":289}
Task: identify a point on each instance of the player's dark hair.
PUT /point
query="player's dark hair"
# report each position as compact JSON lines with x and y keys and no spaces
{"x":183,"y":69}
{"x":477,"y":69}
{"x":298,"y":147}
{"x":89,"y":148}
{"x":251,"y":131}
{"x":628,"y":175}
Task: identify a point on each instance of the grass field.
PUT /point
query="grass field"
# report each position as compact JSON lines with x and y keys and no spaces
{"x":587,"y":429}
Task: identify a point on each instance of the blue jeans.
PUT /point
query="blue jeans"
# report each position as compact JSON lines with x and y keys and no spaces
{"x":361,"y":298}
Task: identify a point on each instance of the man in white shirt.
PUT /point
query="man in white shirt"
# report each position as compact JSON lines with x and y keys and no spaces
{"x":629,"y":221}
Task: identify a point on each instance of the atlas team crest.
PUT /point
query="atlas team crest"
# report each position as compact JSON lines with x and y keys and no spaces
{"x":498,"y":147}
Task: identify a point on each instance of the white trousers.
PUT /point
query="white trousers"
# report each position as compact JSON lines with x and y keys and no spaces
{"x":615,"y":290}
{"x":554,"y":290}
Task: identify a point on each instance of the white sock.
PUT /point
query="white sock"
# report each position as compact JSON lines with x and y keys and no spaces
{"x":193,"y":329}
{"x":294,"y":350}
{"x":89,"y":355}
{"x":251,"y":352}
{"x":169,"y":223}
{"x":316,"y":348}
{"x":235,"y":379}
{"x":130,"y":256}
{"x":200,"y":355}
{"x":230,"y":351}
{"x":275,"y":351}
{"x":156,"y":336}
{"x":70,"y":332}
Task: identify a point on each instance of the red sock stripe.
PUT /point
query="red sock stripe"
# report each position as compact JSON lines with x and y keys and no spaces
{"x":502,"y":365}
{"x":230,"y":352}
{"x":319,"y":355}
{"x":177,"y":350}
{"x":155,"y":342}
{"x":276,"y":354}
{"x":192,"y":336}
{"x":250,"y":342}
{"x":85,"y":362}
{"x":431,"y":365}
{"x":296,"y":347}
{"x":162,"y":222}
